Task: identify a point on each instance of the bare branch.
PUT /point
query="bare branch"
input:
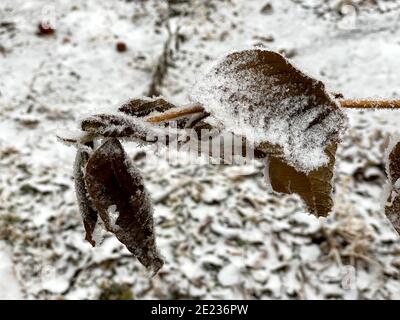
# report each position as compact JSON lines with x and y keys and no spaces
{"x":370,"y":104}
{"x":176,"y":113}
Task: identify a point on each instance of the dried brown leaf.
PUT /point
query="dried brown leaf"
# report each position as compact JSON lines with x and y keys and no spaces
{"x":260,"y":91}
{"x":392,"y":209}
{"x":315,"y":187}
{"x":394,"y":163}
{"x":143,"y":107}
{"x":117,"y":191}
{"x":86,"y":208}
{"x":117,"y":126}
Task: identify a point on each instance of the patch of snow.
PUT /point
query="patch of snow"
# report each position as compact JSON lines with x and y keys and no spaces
{"x":113,"y":215}
{"x":10,"y":288}
{"x":309,"y":253}
{"x":99,"y":232}
{"x":229,"y":275}
{"x":51,"y":281}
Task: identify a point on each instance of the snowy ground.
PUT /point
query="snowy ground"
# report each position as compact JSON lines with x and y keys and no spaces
{"x":221,"y":233}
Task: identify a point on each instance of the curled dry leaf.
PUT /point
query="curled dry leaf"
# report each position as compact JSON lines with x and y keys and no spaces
{"x":394,"y":163}
{"x":131,"y":122}
{"x":258,"y":94}
{"x":315,"y":187}
{"x":118,"y":126}
{"x":86,"y":208}
{"x":118,"y":193}
{"x":144,"y":106}
{"x":392,"y":208}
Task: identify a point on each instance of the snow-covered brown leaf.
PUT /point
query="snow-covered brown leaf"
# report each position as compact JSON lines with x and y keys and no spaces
{"x":315,"y":187}
{"x":86,"y":208}
{"x":392,"y":208}
{"x":262,"y":96}
{"x":141,"y":107}
{"x":118,"y":126}
{"x":118,"y":193}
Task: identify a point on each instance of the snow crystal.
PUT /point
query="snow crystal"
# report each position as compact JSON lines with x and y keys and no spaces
{"x":309,"y":253}
{"x":247,"y":102}
{"x":52,"y":282}
{"x":99,"y":232}
{"x":215,"y":194}
{"x":229,"y":275}
{"x":260,"y":276}
{"x":118,"y":124}
{"x":113,"y":215}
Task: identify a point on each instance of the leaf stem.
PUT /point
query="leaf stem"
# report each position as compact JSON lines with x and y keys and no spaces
{"x":175,"y":113}
{"x":370,"y":104}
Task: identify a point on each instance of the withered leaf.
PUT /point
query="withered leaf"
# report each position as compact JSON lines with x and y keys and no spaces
{"x":86,"y":208}
{"x":119,"y":195}
{"x":315,"y":188}
{"x":143,"y":107}
{"x":392,"y":209}
{"x":260,"y":95}
{"x":118,"y":126}
{"x":394,"y":163}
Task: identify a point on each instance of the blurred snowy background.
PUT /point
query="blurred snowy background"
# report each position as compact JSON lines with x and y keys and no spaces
{"x":221,"y":234}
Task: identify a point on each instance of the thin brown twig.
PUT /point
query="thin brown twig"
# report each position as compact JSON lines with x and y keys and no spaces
{"x":175,"y":113}
{"x":370,"y":104}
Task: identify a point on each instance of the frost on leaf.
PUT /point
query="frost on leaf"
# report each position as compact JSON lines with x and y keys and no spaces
{"x":86,"y":208}
{"x":144,"y":106}
{"x":260,"y":95}
{"x":315,"y":187}
{"x":392,"y":208}
{"x":118,"y":126}
{"x":117,"y":191}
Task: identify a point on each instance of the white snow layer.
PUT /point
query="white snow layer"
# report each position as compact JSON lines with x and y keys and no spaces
{"x":9,"y":287}
{"x":113,"y":215}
